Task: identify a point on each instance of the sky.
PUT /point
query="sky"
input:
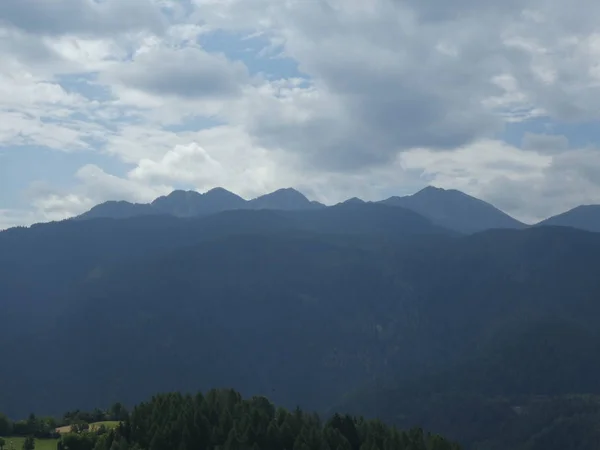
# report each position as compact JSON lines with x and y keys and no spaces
{"x":130,"y":99}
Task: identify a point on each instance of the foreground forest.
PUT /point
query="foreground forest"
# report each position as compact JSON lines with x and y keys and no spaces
{"x":223,"y":420}
{"x":368,"y":309}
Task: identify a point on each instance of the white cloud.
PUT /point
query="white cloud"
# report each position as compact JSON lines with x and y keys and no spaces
{"x":95,"y":186}
{"x":15,"y":218}
{"x":221,"y":156}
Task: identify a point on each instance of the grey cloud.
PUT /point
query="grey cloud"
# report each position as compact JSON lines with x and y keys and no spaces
{"x":27,"y":48}
{"x":545,"y":143}
{"x":85,"y":17}
{"x":552,"y":56}
{"x":579,"y":164}
{"x":515,"y":167}
{"x":391,"y":87}
{"x":392,"y":75}
{"x":435,"y":10}
{"x":572,"y":179}
{"x":187,"y":73}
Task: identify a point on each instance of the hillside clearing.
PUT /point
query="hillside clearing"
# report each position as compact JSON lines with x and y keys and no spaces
{"x":110,"y":424}
{"x":16,"y":443}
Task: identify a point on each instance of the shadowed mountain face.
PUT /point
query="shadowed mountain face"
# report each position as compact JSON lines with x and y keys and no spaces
{"x":585,"y":217}
{"x":324,"y":245}
{"x":455,"y":210}
{"x":364,"y":305}
{"x":56,"y":253}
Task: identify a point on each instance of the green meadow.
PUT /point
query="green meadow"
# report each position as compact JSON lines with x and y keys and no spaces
{"x":16,"y":443}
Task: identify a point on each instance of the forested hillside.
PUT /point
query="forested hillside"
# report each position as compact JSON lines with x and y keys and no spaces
{"x":366,"y":308}
{"x":221,"y":419}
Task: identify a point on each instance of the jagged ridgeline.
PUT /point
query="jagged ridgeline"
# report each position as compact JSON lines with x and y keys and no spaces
{"x":223,"y":420}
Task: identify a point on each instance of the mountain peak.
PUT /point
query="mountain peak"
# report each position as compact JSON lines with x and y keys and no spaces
{"x":430,"y":188}
{"x":288,"y":191}
{"x":283,"y":199}
{"x":433,"y":191}
{"x":183,"y":193}
{"x":354,"y":201}
{"x":219,"y":190}
{"x":222,"y":194}
{"x":178,"y":195}
{"x":191,"y":203}
{"x":584,"y":217}
{"x":455,"y":210}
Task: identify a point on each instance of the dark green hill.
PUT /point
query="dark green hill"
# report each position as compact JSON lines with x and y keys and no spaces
{"x":309,"y":307}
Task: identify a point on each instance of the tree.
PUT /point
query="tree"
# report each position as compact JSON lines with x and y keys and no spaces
{"x":79,"y":427}
{"x":118,"y":412}
{"x":29,"y":443}
{"x":2,"y":443}
{"x":5,"y":425}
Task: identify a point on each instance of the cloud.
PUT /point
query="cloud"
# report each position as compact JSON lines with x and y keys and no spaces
{"x":184,"y":73}
{"x":15,"y":218}
{"x":570,"y":179}
{"x":545,"y":143}
{"x":383,"y":97}
{"x":83,"y":17}
{"x":377,"y":85}
{"x":221,"y":156}
{"x":95,"y":186}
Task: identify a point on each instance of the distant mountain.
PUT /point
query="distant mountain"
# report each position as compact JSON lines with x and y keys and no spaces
{"x":192,"y":203}
{"x":118,"y":210}
{"x":585,"y":217}
{"x":449,"y":209}
{"x":285,"y":200}
{"x":354,"y":200}
{"x":455,"y":210}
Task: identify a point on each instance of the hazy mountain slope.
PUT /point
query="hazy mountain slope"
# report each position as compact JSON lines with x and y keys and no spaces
{"x":585,"y":217}
{"x":455,"y":210}
{"x":284,"y":199}
{"x":192,"y":204}
{"x":119,"y":210}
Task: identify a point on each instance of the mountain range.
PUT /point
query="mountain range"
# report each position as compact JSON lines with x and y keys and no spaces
{"x":194,"y":204}
{"x":450,"y":209}
{"x":482,"y":329}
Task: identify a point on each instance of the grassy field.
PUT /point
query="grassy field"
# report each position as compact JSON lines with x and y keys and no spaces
{"x":16,"y":443}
